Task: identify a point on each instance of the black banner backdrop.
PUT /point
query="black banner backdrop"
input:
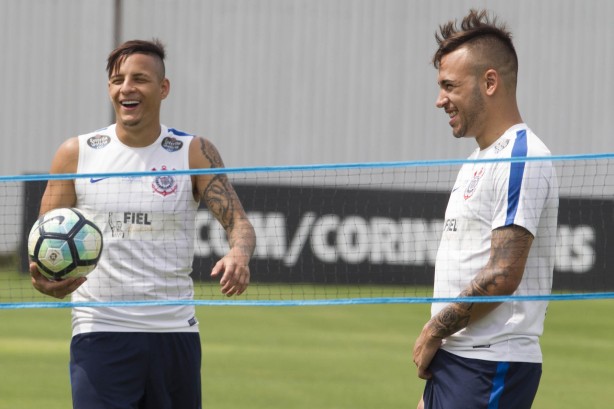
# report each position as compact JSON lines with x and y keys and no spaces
{"x":368,"y":236}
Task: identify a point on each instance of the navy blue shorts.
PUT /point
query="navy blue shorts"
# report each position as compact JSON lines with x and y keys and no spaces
{"x":135,"y":370}
{"x":461,"y":383}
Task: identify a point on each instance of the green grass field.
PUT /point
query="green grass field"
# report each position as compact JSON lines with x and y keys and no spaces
{"x":313,"y":357}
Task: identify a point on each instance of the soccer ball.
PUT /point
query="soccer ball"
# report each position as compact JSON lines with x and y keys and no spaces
{"x":64,"y":243}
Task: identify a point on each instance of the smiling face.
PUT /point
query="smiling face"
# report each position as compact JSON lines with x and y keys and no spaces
{"x":137,"y":88}
{"x":460,"y":94}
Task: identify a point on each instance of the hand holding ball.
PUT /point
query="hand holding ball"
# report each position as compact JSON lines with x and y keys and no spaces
{"x":65,"y":243}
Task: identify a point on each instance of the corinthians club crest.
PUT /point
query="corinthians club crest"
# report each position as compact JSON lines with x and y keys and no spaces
{"x":470,"y":190}
{"x":164,"y":184}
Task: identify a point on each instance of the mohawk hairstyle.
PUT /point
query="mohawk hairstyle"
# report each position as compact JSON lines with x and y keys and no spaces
{"x":476,"y":29}
{"x":117,"y":56}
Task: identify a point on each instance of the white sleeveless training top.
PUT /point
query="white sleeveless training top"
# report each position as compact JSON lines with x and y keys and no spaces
{"x":148,"y":229}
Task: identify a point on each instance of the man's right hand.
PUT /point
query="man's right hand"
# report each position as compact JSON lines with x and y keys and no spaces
{"x":57,"y":289}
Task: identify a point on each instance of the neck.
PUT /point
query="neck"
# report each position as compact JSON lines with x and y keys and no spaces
{"x":137,"y":137}
{"x":502,"y":120}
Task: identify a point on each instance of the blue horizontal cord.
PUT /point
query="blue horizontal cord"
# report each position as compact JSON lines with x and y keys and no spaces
{"x":294,"y":168}
{"x":315,"y":302}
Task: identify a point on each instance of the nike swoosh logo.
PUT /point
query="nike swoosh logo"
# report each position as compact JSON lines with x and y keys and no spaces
{"x":96,"y":180}
{"x":60,"y":220}
{"x":456,"y":188}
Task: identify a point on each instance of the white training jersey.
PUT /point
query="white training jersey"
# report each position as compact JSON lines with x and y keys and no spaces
{"x":486,"y":196}
{"x":148,"y":230}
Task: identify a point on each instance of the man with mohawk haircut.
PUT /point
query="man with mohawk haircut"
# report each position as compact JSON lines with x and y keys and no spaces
{"x":499,"y":233}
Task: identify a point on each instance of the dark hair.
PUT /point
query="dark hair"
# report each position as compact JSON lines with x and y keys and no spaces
{"x":491,"y":42}
{"x":117,"y":56}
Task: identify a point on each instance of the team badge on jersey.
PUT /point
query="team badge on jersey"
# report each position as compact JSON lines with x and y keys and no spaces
{"x":501,"y":145}
{"x":164,"y":184}
{"x":98,"y":141}
{"x":473,"y":185}
{"x":171,"y":144}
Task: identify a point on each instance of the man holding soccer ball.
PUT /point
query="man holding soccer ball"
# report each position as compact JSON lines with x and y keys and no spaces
{"x":142,"y":356}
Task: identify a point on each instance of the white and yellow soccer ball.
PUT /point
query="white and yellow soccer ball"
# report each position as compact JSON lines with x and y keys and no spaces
{"x":65,"y":243}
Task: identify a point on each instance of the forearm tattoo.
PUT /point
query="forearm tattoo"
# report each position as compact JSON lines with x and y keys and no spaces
{"x":221,"y":200}
{"x":501,"y":276}
{"x":218,"y":198}
{"x":223,"y":203}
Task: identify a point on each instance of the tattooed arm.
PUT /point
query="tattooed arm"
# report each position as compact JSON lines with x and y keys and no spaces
{"x":222,"y":201}
{"x":502,"y":274}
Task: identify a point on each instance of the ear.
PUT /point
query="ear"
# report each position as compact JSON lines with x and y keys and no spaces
{"x":491,"y":79}
{"x":165,"y":88}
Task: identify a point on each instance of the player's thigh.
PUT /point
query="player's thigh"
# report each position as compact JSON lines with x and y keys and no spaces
{"x":107,"y":370}
{"x":520,"y":385}
{"x":470,"y":383}
{"x":174,"y":379}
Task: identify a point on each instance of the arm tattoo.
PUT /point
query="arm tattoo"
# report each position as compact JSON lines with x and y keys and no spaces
{"x":211,"y":153}
{"x":219,"y":199}
{"x":222,"y":201}
{"x":218,"y":193}
{"x":501,"y":276}
{"x":451,"y":319}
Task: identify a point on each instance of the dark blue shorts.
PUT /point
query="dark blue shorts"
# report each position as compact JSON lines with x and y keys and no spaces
{"x":135,"y":370}
{"x":461,"y":383}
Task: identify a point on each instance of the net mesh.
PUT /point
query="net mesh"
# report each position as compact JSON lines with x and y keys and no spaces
{"x":341,"y":233}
